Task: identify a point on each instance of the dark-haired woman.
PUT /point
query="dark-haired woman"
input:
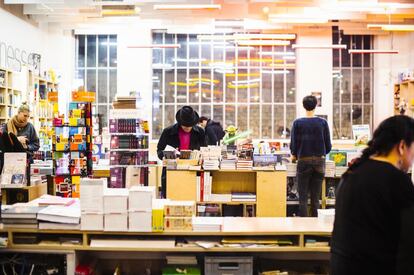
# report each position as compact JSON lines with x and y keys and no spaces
{"x":370,"y":198}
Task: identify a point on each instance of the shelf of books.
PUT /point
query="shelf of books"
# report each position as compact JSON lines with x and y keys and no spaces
{"x":128,"y":148}
{"x":10,"y":94}
{"x":72,"y":149}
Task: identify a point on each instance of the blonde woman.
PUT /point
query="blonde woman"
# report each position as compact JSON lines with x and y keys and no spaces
{"x":20,"y":126}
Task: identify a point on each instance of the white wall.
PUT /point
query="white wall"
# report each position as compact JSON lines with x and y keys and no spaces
{"x":314,"y":71}
{"x":387,"y":67}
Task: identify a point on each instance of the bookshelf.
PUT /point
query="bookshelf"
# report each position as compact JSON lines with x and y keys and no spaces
{"x":404,"y":91}
{"x":129,"y":148}
{"x":72,"y":150}
{"x":269,"y":187}
{"x":10,"y":94}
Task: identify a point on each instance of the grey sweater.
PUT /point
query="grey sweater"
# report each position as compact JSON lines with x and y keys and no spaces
{"x":30,"y":132}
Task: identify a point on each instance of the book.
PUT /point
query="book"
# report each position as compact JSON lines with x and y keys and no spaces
{"x":21,"y":211}
{"x":133,"y":243}
{"x":61,"y":214}
{"x":14,"y":169}
{"x":46,"y":200}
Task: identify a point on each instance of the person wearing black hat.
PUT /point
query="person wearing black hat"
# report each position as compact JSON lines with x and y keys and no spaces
{"x":183,"y":135}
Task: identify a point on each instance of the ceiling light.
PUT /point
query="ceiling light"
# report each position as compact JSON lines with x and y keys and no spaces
{"x":299,"y":20}
{"x":359,"y":51}
{"x":263,"y":43}
{"x":266,"y":10}
{"x":389,"y":27}
{"x":282,"y":36}
{"x":188,"y":7}
{"x":315,"y":46}
{"x":155,"y":46}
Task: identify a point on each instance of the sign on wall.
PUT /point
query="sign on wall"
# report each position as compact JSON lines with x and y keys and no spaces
{"x":14,"y":58}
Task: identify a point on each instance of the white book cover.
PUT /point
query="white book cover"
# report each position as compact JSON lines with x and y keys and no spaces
{"x":91,"y":194}
{"x":92,"y":221}
{"x":61,"y":214}
{"x":14,"y":169}
{"x":116,"y":222}
{"x":115,"y":200}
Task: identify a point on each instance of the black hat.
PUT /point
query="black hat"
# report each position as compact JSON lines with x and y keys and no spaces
{"x":186,"y":116}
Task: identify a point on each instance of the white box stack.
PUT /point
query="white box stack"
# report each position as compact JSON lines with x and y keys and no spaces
{"x":116,"y":209}
{"x":140,"y":208}
{"x":91,"y":199}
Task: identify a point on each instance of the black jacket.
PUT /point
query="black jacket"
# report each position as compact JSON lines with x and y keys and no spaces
{"x":214,"y":132}
{"x":170,"y":137}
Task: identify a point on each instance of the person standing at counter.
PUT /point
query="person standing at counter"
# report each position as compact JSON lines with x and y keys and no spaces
{"x":183,"y":135}
{"x":310,"y":141}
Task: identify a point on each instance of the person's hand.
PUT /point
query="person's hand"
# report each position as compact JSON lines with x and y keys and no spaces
{"x":294,"y":159}
{"x":23,"y":140}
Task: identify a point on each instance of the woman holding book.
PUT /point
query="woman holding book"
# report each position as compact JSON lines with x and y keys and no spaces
{"x":20,"y":127}
{"x":183,"y":135}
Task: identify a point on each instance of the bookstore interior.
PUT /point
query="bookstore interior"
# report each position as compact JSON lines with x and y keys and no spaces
{"x":184,"y":137}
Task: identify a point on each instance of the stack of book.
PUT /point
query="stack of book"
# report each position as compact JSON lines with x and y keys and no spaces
{"x":228,"y":164}
{"x":60,"y":213}
{"x":207,"y":224}
{"x":204,"y":186}
{"x":21,"y":215}
{"x":211,"y":156}
{"x":329,"y":169}
{"x":211,"y":164}
{"x":91,"y":199}
{"x":178,"y":215}
{"x":250,"y":197}
{"x":208,"y":210}
{"x":125,"y":102}
{"x":244,"y":164}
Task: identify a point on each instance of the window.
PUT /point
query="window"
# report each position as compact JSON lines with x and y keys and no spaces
{"x":96,"y":70}
{"x":250,"y":87}
{"x":352,"y":84}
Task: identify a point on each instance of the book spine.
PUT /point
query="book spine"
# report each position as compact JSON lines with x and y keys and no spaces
{"x":198,"y":187}
{"x":202,"y":187}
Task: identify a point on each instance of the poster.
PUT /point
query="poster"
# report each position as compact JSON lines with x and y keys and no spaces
{"x":318,"y":96}
{"x":361,"y":134}
{"x":14,"y":170}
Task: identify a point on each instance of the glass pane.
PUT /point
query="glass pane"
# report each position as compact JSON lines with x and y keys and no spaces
{"x":182,"y":85}
{"x":335,"y":56}
{"x":278,"y":120}
{"x":182,"y":51}
{"x":206,"y":86}
{"x":91,"y":39}
{"x":104,"y":111}
{"x":346,"y":129}
{"x":357,"y":85}
{"x":345,"y":56}
{"x":195,"y":108}
{"x":169,"y":52}
{"x":278,"y":87}
{"x":254,"y":121}
{"x":267,"y":121}
{"x":169,"y":116}
{"x":169,"y":87}
{"x":336,"y":113}
{"x":218,"y":113}
{"x":194,"y":49}
{"x":102,"y":86}
{"x":103,"y":51}
{"x":367,"y":115}
{"x":156,"y":103}
{"x":112,"y":84}
{"x":367,"y":85}
{"x":357,"y":44}
{"x":255,"y":94}
{"x":91,"y":80}
{"x":205,"y":52}
{"x":218,"y":87}
{"x":356,"y":114}
{"x":205,"y":111}
{"x":290,"y":87}
{"x":218,"y":54}
{"x":367,"y":46}
{"x":81,"y":51}
{"x":113,"y":52}
{"x":290,"y":117}
{"x":157,"y":56}
{"x":336,"y":79}
{"x":242,"y":118}
{"x":80,"y":79}
{"x":195,"y":81}
{"x":156,"y":120}
{"x":230,"y":90}
{"x":346,"y":86}
{"x":267,"y":88}
{"x":230,"y":115}
{"x":157,"y":81}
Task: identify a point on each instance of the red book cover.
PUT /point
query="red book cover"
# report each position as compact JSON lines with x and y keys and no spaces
{"x":202,"y":186}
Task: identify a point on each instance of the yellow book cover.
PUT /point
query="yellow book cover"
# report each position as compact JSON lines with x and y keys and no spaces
{"x":60,"y":146}
{"x":73,"y":121}
{"x":77,"y":113}
{"x":158,"y":220}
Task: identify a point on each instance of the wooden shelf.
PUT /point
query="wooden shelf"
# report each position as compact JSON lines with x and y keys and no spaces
{"x":229,"y":203}
{"x":128,"y":150}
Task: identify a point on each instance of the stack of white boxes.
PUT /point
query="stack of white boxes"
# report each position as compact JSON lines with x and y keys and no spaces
{"x":91,"y":199}
{"x":140,"y":208}
{"x":115,"y":209}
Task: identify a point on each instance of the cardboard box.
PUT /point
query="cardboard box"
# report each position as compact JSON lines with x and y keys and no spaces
{"x":116,"y":222}
{"x":140,"y":221}
{"x":179,"y":209}
{"x":92,"y":221}
{"x":91,"y":195}
{"x":115,"y":200}
{"x":178,"y":223}
{"x":140,"y":198}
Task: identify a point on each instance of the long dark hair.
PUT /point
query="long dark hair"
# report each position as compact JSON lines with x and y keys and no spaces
{"x":388,"y":134}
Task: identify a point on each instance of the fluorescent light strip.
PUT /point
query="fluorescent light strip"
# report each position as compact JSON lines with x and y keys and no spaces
{"x":188,"y":7}
{"x":334,"y":46}
{"x":277,"y":53}
{"x":264,"y":36}
{"x":160,"y":46}
{"x":263,"y":42}
{"x":357,"y":51}
{"x":389,"y":27}
{"x":298,"y":20}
